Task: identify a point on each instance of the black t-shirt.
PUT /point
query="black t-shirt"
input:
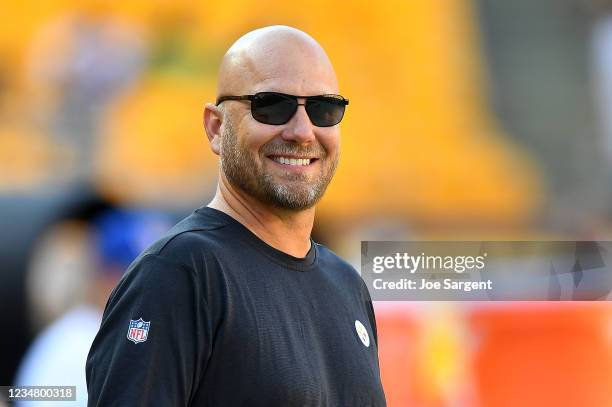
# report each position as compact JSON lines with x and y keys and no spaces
{"x":211,"y":315}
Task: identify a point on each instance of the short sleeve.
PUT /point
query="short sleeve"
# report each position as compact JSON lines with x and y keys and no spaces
{"x":154,"y":340}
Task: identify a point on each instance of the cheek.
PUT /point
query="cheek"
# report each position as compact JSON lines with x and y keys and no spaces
{"x":330,"y":141}
{"x":254,"y":135}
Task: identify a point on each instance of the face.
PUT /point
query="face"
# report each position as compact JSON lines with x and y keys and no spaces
{"x":288,"y":166}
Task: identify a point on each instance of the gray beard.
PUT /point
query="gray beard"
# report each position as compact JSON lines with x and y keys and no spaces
{"x":243,"y":172}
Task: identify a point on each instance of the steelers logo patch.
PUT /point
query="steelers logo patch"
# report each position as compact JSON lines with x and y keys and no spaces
{"x":362,"y":333}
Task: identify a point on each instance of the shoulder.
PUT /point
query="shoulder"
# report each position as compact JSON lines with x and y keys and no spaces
{"x":186,"y":256}
{"x":343,"y":275}
{"x":199,"y":234}
{"x":336,"y":265}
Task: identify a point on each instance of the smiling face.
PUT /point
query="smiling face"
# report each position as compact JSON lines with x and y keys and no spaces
{"x":288,"y":166}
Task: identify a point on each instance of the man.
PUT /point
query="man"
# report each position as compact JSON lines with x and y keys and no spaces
{"x":237,"y":306}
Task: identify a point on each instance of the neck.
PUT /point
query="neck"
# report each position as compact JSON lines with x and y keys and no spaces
{"x":285,"y":230}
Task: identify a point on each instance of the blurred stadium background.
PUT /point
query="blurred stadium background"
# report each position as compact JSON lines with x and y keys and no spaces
{"x":482,"y":119}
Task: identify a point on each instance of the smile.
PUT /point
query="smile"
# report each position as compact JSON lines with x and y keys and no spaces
{"x":293,"y":161}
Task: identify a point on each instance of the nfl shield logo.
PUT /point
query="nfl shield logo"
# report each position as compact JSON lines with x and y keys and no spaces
{"x":138,"y":330}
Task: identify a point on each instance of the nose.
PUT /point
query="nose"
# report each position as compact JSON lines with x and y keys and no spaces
{"x":299,"y":129}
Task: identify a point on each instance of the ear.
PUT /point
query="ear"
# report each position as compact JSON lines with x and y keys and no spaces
{"x":213,"y":118}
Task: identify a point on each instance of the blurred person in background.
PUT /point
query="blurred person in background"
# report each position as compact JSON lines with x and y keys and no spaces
{"x":237,"y":305}
{"x":77,"y":65}
{"x":76,"y":263}
{"x":61,"y":261}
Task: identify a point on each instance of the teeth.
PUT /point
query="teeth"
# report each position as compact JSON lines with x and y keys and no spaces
{"x":292,"y":161}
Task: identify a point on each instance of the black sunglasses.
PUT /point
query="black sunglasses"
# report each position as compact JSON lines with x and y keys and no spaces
{"x":278,"y":108}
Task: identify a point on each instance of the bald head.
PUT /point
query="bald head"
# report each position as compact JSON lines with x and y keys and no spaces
{"x":276,"y":58}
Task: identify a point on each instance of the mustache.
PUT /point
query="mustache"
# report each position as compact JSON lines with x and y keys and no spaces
{"x":281,"y":148}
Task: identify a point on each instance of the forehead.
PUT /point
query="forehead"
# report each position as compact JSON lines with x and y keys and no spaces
{"x":294,"y":68}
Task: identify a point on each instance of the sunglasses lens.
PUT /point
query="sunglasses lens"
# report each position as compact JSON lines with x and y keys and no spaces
{"x":272,"y":108}
{"x":325,"y":111}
